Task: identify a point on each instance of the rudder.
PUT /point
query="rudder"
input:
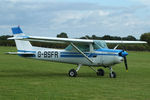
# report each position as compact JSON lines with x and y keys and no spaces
{"x":21,"y":44}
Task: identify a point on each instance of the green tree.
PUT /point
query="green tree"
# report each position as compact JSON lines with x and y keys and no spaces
{"x":5,"y":42}
{"x":130,"y":38}
{"x":145,"y":37}
{"x":62,"y":35}
{"x":96,"y":37}
{"x":106,"y":37}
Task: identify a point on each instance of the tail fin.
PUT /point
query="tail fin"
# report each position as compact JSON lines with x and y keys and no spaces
{"x":16,"y":30}
{"x":21,"y":44}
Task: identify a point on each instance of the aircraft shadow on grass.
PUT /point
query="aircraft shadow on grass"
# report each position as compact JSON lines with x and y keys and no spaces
{"x":30,"y":73}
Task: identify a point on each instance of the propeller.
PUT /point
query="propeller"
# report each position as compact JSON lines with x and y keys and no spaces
{"x":124,"y":54}
{"x":125,"y":62}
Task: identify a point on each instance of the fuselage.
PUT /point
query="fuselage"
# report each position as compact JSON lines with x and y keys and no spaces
{"x":100,"y":57}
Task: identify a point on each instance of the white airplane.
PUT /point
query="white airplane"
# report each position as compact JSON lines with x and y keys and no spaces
{"x":92,"y":53}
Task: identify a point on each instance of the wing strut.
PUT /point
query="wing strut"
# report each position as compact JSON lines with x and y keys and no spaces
{"x":81,"y":53}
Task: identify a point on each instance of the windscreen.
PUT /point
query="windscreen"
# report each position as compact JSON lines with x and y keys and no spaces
{"x":98,"y":44}
{"x":82,"y":47}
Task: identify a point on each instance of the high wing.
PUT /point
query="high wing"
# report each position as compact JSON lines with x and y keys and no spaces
{"x":68,"y":40}
{"x":123,"y":42}
{"x":51,"y":39}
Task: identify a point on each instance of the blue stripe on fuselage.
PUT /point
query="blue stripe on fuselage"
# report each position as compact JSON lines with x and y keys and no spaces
{"x":109,"y":50}
{"x":26,"y":51}
{"x":27,"y":55}
{"x":76,"y":54}
{"x":91,"y":55}
{"x":71,"y":53}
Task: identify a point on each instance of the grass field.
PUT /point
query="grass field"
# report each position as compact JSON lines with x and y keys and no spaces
{"x":28,"y":79}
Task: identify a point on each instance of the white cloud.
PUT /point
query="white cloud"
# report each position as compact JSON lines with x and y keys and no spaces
{"x":103,"y":13}
{"x":77,"y":19}
{"x":63,"y":16}
{"x":145,"y":2}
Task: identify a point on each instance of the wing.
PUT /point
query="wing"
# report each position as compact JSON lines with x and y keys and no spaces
{"x":124,"y":42}
{"x":68,"y":40}
{"x":52,"y":39}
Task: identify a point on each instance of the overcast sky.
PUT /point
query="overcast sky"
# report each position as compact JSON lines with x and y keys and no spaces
{"x":76,"y":17}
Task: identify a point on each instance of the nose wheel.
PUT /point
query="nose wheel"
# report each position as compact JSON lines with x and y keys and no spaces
{"x":112,"y":74}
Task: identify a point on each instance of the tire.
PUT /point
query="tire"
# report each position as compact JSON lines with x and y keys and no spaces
{"x":112,"y":75}
{"x":72,"y":73}
{"x":100,"y":72}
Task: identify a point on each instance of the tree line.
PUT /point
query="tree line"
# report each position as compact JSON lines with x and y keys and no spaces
{"x":134,"y":47}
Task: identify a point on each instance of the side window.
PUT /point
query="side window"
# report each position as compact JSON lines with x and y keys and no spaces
{"x":84,"y":48}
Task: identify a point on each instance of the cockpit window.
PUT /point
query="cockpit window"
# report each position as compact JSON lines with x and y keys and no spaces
{"x":83,"y":48}
{"x":99,"y":44}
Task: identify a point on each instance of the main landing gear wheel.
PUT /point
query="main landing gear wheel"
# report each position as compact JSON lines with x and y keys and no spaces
{"x":100,"y":72}
{"x":72,"y":73}
{"x":112,"y":75}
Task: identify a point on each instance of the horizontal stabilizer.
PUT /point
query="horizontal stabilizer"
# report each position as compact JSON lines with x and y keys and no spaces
{"x":16,"y":53}
{"x":18,"y":38}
